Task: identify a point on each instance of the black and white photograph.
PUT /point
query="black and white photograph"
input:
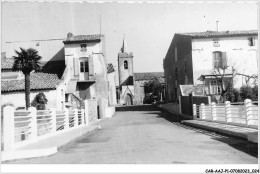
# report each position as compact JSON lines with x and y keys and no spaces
{"x":127,"y":86}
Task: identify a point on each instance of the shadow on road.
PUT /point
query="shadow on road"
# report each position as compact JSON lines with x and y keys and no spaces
{"x":137,"y":108}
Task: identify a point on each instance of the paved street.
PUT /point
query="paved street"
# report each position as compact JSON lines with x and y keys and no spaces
{"x":151,"y":137}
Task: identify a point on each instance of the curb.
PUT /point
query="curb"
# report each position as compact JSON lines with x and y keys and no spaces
{"x":246,"y":136}
{"x":35,"y":153}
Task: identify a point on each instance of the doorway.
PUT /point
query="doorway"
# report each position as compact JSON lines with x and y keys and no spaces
{"x":84,"y":69}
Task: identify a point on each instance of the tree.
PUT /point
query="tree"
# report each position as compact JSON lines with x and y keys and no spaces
{"x":27,"y":60}
{"x":154,"y":86}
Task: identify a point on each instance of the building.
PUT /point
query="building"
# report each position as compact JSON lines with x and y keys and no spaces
{"x":78,"y":70}
{"x":131,"y":90}
{"x":193,"y":57}
{"x":48,"y":81}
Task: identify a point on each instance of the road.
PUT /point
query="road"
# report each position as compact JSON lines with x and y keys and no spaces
{"x":151,"y":137}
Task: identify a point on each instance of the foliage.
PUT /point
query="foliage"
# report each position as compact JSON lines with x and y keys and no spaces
{"x":40,"y":101}
{"x":27,"y":60}
{"x":232,"y":95}
{"x":247,"y":92}
{"x":153,"y":86}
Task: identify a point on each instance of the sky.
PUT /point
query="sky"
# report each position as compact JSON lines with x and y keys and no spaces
{"x":148,"y":27}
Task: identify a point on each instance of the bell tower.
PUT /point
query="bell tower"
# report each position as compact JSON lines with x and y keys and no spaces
{"x":125,"y":66}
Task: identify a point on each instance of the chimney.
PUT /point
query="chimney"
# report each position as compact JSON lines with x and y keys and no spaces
{"x":3,"y":55}
{"x":69,"y":36}
{"x":217,"y":25}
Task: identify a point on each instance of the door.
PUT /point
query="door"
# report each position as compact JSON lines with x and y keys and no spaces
{"x":128,"y":100}
{"x":84,"y":69}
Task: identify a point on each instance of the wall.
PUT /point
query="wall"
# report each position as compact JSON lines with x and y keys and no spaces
{"x":188,"y":101}
{"x":178,"y":53}
{"x":18,"y":98}
{"x":112,"y":88}
{"x":239,"y":54}
{"x":55,"y":50}
{"x":139,"y":92}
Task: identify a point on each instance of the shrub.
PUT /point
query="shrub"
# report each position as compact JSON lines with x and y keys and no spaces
{"x":233,"y":95}
{"x":247,"y":92}
{"x":40,"y":101}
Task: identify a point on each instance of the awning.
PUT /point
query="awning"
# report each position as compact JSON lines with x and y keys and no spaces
{"x":211,"y":76}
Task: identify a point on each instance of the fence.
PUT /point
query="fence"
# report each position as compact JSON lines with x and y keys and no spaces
{"x":22,"y":127}
{"x":186,"y":103}
{"x":240,"y":113}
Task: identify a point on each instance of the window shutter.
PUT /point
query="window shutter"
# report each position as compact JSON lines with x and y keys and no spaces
{"x":91,"y":65}
{"x":76,"y":66}
{"x":224,"y":59}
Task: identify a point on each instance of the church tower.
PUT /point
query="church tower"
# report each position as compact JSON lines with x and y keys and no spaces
{"x":125,"y":66}
{"x":125,"y":72}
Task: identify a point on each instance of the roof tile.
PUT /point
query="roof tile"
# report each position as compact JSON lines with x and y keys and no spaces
{"x":213,"y":34}
{"x":38,"y":81}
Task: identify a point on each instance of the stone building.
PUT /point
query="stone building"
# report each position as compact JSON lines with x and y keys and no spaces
{"x":131,"y":90}
{"x":76,"y":72}
{"x":192,"y":58}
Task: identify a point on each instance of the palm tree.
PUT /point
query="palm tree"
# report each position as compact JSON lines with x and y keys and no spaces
{"x":27,"y":61}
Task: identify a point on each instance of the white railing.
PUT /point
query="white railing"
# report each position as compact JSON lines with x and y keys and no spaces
{"x":239,"y":113}
{"x":23,"y":127}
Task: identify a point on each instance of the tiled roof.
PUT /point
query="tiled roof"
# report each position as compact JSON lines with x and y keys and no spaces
{"x":38,"y":81}
{"x":149,"y":76}
{"x":80,"y":38}
{"x":110,"y":68}
{"x":51,"y":67}
{"x":214,"y":34}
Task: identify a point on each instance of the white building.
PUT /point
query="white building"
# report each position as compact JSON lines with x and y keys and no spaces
{"x":192,"y":58}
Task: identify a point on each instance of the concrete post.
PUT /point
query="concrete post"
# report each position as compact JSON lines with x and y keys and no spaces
{"x":209,"y":100}
{"x":249,"y":112}
{"x":33,"y":123}
{"x":194,"y":111}
{"x":103,"y":104}
{"x":203,"y":114}
{"x":66,"y":119}
{"x":228,"y":112}
{"x":213,"y":111}
{"x":53,"y":120}
{"x":76,"y":117}
{"x":83,"y":122}
{"x":180,"y":104}
{"x":8,"y":128}
{"x":86,"y":115}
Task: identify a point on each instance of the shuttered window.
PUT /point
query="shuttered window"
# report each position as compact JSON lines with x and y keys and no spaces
{"x":219,"y":60}
{"x":76,"y":66}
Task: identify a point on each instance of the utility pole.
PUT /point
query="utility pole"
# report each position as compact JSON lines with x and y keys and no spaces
{"x":99,"y":24}
{"x":217,"y":25}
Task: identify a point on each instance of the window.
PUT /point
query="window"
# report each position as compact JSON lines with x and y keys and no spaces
{"x":175,"y":92}
{"x":219,"y":60}
{"x":176,"y":72}
{"x":251,"y":41}
{"x":83,"y":47}
{"x":84,"y":66}
{"x":212,"y":87}
{"x":216,"y":43}
{"x":125,"y":64}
